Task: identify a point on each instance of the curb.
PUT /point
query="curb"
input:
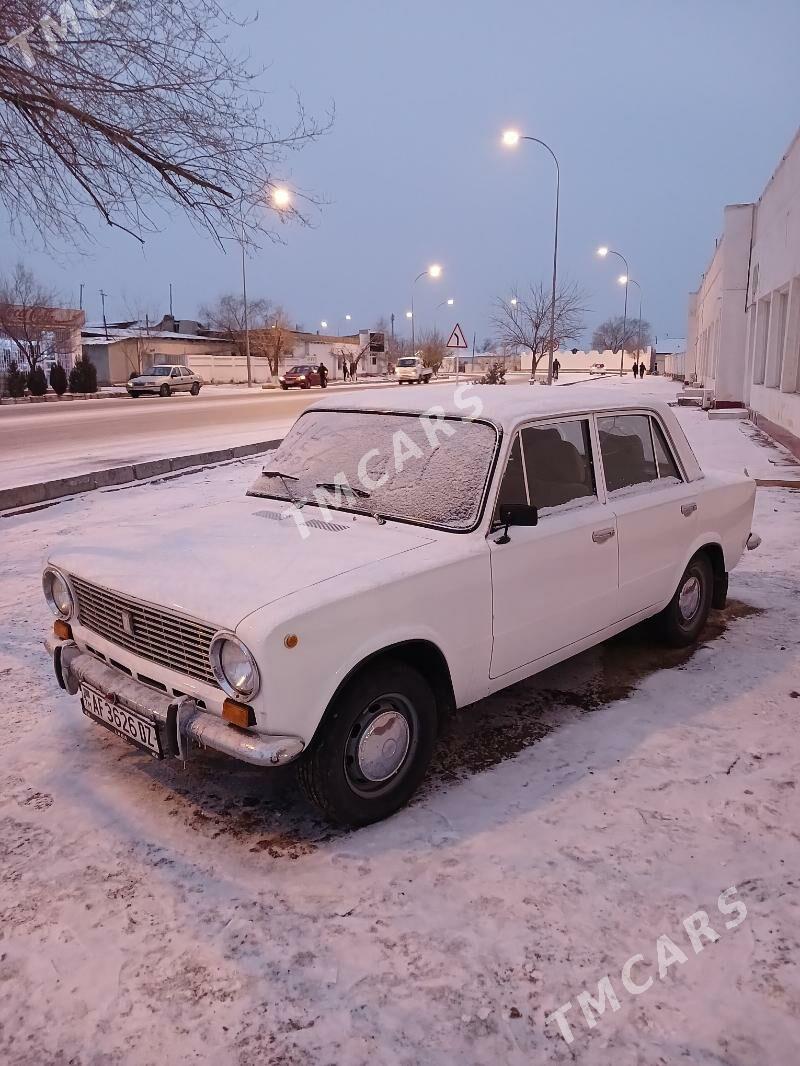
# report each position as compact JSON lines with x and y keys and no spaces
{"x":45,"y":491}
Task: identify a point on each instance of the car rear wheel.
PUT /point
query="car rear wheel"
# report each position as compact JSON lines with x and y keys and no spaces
{"x":195,"y":389}
{"x":165,"y":390}
{"x":373,"y":747}
{"x":682,"y":621}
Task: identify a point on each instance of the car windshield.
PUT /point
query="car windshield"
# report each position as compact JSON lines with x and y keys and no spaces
{"x":410,"y":361}
{"x":300,"y":370}
{"x":159,"y":372}
{"x":421,"y":469}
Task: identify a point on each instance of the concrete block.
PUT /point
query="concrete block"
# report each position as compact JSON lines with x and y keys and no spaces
{"x":243,"y":450}
{"x":69,"y":486}
{"x":726,"y":413}
{"x":152,"y":468}
{"x":183,"y":462}
{"x":22,"y":496}
{"x":114,"y":475}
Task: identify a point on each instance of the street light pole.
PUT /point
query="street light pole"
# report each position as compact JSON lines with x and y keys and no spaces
{"x":603,"y":252}
{"x":246,"y":319}
{"x":433,"y":271}
{"x":633,"y":281}
{"x":511,"y":137}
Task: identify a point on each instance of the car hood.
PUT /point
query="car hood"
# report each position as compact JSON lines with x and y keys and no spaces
{"x":218,"y":564}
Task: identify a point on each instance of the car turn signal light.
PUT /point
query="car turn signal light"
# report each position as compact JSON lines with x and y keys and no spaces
{"x":238,"y":714}
{"x":62,"y":630}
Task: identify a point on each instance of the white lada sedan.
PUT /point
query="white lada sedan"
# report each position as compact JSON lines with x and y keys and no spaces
{"x":400,"y":556}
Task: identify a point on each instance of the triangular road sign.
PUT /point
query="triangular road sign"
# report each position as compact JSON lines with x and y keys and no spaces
{"x":457,"y":338}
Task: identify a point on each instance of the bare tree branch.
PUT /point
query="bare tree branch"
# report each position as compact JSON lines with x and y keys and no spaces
{"x":617,"y":332}
{"x":133,"y":108}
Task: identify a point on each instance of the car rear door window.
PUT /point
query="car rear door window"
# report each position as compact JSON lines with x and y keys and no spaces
{"x":627,"y":448}
{"x":558,"y":463}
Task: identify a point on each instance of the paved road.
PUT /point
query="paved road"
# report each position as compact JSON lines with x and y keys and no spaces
{"x":43,"y":441}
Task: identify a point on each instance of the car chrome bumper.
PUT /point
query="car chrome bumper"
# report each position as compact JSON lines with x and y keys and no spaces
{"x":178,"y":720}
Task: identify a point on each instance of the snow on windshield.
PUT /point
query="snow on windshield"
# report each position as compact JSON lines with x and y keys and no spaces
{"x":423,"y":469}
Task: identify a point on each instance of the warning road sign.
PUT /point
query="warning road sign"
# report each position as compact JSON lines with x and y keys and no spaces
{"x":457,"y":338}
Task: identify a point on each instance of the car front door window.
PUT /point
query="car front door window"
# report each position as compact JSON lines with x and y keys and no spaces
{"x":555,"y":583}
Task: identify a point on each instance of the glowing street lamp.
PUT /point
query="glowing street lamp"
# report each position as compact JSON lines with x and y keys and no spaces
{"x":511,"y":139}
{"x":604,"y":251}
{"x":281,"y":197}
{"x":324,"y":325}
{"x":433,"y":271}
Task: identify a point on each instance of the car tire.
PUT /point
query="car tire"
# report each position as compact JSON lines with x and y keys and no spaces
{"x":285,"y":388}
{"x":682,"y":620}
{"x":352,"y":775}
{"x":134,"y":395}
{"x":165,"y":390}
{"x":305,"y":385}
{"x":195,"y":389}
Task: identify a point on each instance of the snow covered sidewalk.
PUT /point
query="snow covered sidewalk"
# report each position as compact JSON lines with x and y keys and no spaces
{"x":150,"y":914}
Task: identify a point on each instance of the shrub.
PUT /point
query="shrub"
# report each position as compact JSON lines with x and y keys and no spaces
{"x":16,"y":380}
{"x":37,"y":382}
{"x":83,"y":376}
{"x":495,"y":375}
{"x":58,"y":379}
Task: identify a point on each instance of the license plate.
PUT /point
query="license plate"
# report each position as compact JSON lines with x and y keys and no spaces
{"x":129,"y":725}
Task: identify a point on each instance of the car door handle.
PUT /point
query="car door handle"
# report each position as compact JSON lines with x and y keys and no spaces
{"x":688,"y":509}
{"x":600,"y":536}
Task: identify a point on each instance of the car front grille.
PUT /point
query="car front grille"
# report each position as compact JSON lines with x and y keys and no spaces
{"x":161,"y":636}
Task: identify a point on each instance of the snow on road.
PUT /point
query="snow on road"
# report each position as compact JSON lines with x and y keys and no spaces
{"x":152,"y":914}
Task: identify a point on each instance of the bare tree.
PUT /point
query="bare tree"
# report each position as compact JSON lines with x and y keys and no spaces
{"x":432,"y":347}
{"x":133,"y":108}
{"x":269,"y":326}
{"x":29,"y":318}
{"x":617,"y":333}
{"x":523,"y":321}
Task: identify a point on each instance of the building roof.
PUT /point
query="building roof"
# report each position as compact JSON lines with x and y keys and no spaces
{"x":669,"y":346}
{"x":99,"y":335}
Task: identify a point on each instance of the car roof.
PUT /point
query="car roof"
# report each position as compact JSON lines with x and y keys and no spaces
{"x":506,"y":405}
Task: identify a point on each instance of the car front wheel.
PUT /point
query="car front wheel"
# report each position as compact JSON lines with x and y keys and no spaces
{"x":373,"y":747}
{"x":682,"y":621}
{"x":133,"y":394}
{"x":164,"y":390}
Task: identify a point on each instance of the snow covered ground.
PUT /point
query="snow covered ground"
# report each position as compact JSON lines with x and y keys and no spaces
{"x":152,"y":914}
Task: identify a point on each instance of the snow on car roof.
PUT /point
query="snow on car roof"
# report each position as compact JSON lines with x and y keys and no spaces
{"x":504,"y":404}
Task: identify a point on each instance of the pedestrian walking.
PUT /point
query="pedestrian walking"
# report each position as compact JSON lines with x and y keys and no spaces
{"x":322,"y":370}
{"x":345,"y":370}
{"x":635,"y":369}
{"x":642,"y":370}
{"x":352,"y":370}
{"x":556,"y":368}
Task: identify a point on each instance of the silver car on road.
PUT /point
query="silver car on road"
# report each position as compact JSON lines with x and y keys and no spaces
{"x":164,"y":380}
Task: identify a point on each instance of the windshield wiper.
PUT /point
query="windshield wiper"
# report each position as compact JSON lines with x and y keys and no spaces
{"x":360,"y":493}
{"x":285,"y":478}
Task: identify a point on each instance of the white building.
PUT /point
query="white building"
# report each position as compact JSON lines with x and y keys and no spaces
{"x":744,"y":321}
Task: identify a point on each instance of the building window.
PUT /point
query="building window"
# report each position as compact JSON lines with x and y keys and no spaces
{"x":778,"y":343}
{"x":762,"y":332}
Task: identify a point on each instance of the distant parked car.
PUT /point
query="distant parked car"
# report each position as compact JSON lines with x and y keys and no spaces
{"x":407,"y":565}
{"x":412,"y":371}
{"x":597,"y":368}
{"x":165,"y":379}
{"x":300,"y":377}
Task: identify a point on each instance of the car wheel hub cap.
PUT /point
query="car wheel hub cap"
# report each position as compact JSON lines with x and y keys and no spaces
{"x":689,"y":599}
{"x":383,"y":746}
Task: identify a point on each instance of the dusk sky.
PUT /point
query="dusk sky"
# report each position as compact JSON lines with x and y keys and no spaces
{"x":660,"y":113}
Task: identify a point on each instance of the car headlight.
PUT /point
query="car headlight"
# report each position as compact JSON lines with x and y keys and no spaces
{"x":234,"y":667}
{"x":58,"y":593}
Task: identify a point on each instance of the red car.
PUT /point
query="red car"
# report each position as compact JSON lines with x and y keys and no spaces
{"x":300,"y":377}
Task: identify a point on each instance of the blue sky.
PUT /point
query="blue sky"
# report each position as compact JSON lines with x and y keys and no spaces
{"x":660,"y":112}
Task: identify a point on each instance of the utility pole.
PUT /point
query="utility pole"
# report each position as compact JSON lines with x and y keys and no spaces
{"x":170,"y":300}
{"x":80,"y":300}
{"x":105,"y":324}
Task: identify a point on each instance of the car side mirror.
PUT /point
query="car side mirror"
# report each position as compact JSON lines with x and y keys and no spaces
{"x":516,"y":514}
